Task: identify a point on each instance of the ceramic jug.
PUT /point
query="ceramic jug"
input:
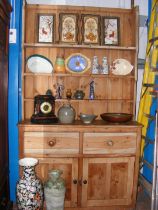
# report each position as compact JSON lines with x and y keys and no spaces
{"x":79,"y":94}
{"x":54,"y":191}
{"x":66,"y":114}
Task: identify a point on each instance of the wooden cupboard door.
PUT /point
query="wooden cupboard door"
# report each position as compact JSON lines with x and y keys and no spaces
{"x":107,"y":181}
{"x":69,"y":166}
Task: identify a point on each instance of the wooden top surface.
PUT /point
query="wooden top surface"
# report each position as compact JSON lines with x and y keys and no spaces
{"x":78,"y":124}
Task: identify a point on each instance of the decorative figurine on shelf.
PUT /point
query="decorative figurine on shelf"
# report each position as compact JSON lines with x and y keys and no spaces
{"x":95,"y":65}
{"x":68,"y":94}
{"x":91,"y":90}
{"x":104,"y":69}
{"x":60,"y":89}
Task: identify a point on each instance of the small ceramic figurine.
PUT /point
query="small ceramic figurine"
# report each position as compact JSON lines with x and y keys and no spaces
{"x":91,"y":90}
{"x":95,"y":65}
{"x":60,"y":89}
{"x":105,"y":69}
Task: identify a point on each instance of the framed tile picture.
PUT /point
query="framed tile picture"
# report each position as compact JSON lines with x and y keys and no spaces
{"x":90,"y":29}
{"x":110,"y":30}
{"x":46,"y":28}
{"x":68,"y":28}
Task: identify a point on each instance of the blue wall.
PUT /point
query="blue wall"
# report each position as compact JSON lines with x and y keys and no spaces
{"x":14,"y":94}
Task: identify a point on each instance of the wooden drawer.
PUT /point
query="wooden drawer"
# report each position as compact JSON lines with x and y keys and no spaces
{"x":109,"y":143}
{"x":47,"y":143}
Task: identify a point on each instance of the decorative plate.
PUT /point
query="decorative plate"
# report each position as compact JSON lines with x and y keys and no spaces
{"x":39,"y":64}
{"x":77,"y":63}
{"x":121,"y":67}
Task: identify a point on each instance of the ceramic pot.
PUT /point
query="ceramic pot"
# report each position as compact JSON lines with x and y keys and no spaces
{"x":29,"y":189}
{"x":54,"y":191}
{"x":66,"y":114}
{"x":79,"y":94}
{"x":59,"y":65}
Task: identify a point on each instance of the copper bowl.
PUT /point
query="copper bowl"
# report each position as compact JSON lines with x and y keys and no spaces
{"x":116,"y":117}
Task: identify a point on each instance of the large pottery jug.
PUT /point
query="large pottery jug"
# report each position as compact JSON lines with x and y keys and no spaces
{"x":54,"y":191}
{"x":66,"y":114}
{"x":29,"y":190}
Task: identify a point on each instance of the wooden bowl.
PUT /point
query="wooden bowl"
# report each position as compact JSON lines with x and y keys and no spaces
{"x":116,"y":117}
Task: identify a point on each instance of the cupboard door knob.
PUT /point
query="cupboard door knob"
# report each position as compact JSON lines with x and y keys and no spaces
{"x":85,"y":181}
{"x":75,"y":181}
{"x":52,"y":142}
{"x":110,"y":143}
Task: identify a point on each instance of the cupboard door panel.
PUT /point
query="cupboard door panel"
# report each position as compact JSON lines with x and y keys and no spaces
{"x":69,"y":166}
{"x":109,"y":181}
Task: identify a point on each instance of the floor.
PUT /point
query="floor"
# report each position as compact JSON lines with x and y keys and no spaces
{"x":143,"y":201}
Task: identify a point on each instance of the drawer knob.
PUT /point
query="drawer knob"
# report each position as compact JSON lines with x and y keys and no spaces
{"x":75,"y":181}
{"x":85,"y":181}
{"x":52,"y":142}
{"x":110,"y":143}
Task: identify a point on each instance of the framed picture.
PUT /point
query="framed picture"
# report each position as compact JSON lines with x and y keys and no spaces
{"x":90,"y":29}
{"x":110,"y":30}
{"x":46,"y":28}
{"x":68,"y":28}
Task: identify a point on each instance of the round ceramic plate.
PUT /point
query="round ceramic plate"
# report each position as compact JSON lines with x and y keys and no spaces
{"x":121,"y":67}
{"x":39,"y":64}
{"x":77,"y":63}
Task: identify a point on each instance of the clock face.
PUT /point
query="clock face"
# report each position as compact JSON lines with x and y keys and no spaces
{"x":46,"y":107}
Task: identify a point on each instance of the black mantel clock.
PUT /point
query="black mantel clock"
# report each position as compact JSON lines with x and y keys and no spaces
{"x":44,"y":109}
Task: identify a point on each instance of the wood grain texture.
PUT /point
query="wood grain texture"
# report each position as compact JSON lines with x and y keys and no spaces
{"x":102,"y":178}
{"x":112,"y":94}
{"x":106,"y":143}
{"x":51,"y":143}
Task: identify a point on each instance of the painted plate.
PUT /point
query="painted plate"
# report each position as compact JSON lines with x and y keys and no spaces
{"x":77,"y":63}
{"x":121,"y":67}
{"x":39,"y":64}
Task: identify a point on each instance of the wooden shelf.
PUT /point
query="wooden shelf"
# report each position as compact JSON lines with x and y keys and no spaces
{"x":79,"y":46}
{"x":114,"y":93}
{"x":84,"y":100}
{"x":79,"y":75}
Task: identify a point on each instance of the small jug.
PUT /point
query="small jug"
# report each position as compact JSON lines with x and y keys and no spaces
{"x":68,"y":94}
{"x":79,"y":94}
